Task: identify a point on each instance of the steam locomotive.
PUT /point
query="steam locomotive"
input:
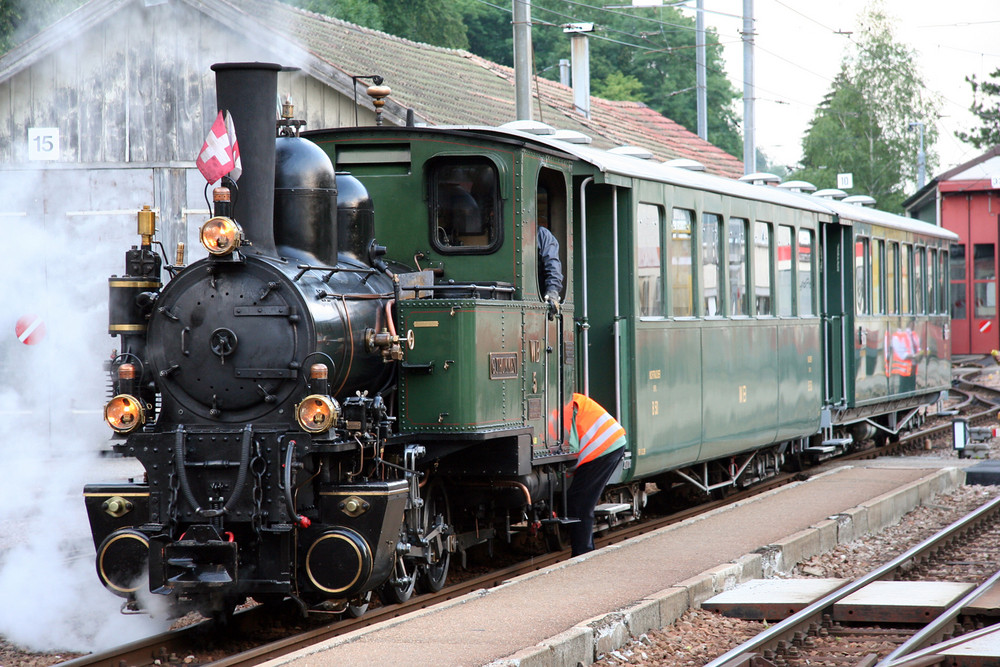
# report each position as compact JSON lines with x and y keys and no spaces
{"x":334,"y":403}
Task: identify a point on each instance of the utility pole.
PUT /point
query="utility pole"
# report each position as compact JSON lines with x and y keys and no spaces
{"x":749,"y":144}
{"x":699,"y":28}
{"x":522,"y":59}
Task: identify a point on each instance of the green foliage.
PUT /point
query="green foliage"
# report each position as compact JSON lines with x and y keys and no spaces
{"x":986,"y":107}
{"x":21,"y":19}
{"x":618,"y":86}
{"x":437,"y":22}
{"x":863,"y":125}
{"x":362,"y":12}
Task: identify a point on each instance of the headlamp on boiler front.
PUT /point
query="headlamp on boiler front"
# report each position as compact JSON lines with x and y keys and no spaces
{"x":317,"y":413}
{"x":124,"y":413}
{"x":221,"y":235}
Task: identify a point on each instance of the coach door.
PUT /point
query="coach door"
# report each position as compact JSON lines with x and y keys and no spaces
{"x":837,"y":305}
{"x":558,"y":348}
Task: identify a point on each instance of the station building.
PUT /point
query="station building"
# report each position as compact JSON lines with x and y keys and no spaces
{"x":966,"y":200}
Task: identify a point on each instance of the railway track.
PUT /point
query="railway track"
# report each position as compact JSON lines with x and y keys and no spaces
{"x":205,"y":641}
{"x":961,"y":552}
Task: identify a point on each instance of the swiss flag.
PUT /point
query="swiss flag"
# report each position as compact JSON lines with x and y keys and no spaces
{"x":216,"y":157}
{"x":231,"y":131}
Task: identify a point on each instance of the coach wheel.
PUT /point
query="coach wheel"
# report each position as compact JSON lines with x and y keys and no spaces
{"x":437,"y":515}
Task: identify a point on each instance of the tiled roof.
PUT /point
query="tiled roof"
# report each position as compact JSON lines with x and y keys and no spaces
{"x":454,"y":87}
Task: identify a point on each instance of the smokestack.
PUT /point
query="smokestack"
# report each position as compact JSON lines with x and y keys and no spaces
{"x":249,"y":92}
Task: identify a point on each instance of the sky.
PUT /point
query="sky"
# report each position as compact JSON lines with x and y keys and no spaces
{"x":799,"y":51}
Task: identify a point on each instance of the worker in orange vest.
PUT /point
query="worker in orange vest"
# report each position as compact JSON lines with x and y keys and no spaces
{"x":599,"y":443}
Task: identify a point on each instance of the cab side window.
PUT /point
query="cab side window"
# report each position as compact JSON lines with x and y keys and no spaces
{"x":464,"y":203}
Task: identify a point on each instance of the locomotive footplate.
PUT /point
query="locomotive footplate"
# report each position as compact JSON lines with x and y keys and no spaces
{"x":201,"y":558}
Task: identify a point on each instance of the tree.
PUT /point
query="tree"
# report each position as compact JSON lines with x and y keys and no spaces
{"x":986,"y":106}
{"x":21,"y":19}
{"x":362,"y":12}
{"x":863,"y":125}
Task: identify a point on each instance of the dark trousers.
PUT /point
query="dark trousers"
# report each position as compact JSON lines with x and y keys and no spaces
{"x":588,"y":483}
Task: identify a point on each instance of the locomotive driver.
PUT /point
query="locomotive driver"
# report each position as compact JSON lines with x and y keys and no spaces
{"x":599,"y":443}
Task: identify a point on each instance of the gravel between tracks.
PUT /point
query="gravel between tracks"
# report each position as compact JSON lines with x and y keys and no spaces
{"x":700,"y":636}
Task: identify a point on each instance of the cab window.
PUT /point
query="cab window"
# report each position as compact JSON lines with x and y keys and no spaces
{"x":464,"y":202}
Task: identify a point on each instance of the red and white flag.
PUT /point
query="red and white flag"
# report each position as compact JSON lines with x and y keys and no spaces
{"x":231,"y":131}
{"x":216,"y":157}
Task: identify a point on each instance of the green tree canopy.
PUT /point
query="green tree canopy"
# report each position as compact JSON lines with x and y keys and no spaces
{"x":20,"y":19}
{"x":864,"y":125}
{"x":986,"y":107}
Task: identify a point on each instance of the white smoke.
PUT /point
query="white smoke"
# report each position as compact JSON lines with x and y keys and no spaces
{"x":56,"y":267}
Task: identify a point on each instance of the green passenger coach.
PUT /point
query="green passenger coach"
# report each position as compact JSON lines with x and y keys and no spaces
{"x":728,"y":325}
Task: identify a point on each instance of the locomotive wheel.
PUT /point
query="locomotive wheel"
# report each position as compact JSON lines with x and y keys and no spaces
{"x":432,"y":576}
{"x":398,"y":593}
{"x":357,"y":607}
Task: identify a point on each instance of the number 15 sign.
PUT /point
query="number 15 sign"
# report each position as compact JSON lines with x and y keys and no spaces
{"x":43,"y":143}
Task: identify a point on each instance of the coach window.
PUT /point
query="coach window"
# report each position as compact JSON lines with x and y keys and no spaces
{"x":713,"y":270}
{"x":650,"y":261}
{"x":785,"y":271}
{"x":984,"y":278}
{"x":891,"y":287}
{"x":942,"y":286}
{"x":878,"y":298}
{"x":919,"y":264}
{"x":738,"y":265}
{"x":806,"y":271}
{"x":862,"y":260}
{"x":763,"y":268}
{"x":930,"y":281}
{"x":958,"y":281}
{"x":905,"y":251}
{"x":464,"y":200}
{"x":681,"y":271}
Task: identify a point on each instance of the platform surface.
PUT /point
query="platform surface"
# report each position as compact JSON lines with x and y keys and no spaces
{"x":494,"y":624}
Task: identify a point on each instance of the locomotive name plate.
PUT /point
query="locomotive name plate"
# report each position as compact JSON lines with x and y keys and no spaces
{"x":504,"y":365}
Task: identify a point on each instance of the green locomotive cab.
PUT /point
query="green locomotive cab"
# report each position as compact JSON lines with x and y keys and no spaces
{"x":486,"y":362}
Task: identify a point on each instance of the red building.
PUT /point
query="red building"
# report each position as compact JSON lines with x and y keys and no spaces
{"x":966,"y":200}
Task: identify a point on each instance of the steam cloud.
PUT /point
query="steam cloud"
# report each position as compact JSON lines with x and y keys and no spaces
{"x":51,"y":432}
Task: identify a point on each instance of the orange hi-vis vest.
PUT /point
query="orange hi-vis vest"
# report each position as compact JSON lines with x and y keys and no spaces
{"x":902,"y":351}
{"x":592,"y":431}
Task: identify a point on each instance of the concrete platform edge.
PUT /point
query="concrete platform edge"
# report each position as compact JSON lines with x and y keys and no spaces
{"x":591,"y":640}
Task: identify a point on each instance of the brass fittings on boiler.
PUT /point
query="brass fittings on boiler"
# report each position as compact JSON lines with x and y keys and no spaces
{"x":387,"y":344}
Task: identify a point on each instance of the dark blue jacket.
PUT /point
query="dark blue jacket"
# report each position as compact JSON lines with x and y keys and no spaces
{"x":549,"y":266}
